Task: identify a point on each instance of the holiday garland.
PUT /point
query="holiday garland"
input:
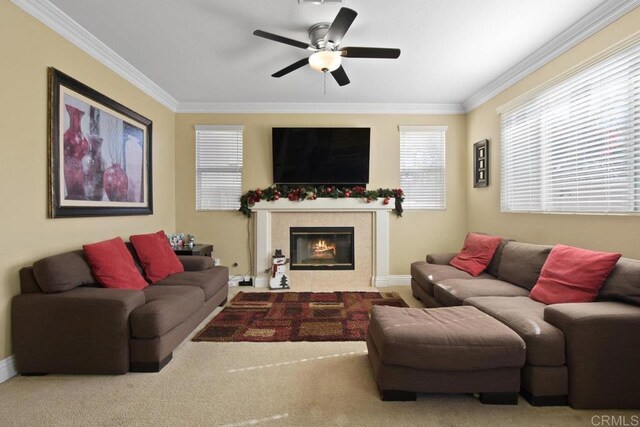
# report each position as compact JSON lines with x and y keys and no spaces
{"x":300,"y":193}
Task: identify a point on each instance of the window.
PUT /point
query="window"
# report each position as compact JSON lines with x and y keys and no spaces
{"x":574,"y":145}
{"x":218,"y":167}
{"x":422,"y":166}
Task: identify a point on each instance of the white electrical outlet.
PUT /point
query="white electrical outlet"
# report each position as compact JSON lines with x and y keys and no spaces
{"x":216,"y":261}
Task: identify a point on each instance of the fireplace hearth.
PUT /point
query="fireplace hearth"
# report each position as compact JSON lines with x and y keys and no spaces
{"x":322,"y":248}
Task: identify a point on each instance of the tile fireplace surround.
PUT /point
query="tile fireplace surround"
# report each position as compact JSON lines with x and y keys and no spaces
{"x":371,"y":222}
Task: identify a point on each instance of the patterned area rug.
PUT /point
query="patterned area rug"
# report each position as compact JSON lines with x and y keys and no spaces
{"x":296,"y":316}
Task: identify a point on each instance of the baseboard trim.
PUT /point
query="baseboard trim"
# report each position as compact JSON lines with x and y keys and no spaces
{"x":261,"y":282}
{"x":380,"y":281}
{"x":400,"y":280}
{"x":7,"y":369}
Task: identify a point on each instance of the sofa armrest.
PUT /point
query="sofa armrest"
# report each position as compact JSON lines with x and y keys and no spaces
{"x":440,"y":258}
{"x":81,"y":331}
{"x":195,"y":262}
{"x":602,"y":346}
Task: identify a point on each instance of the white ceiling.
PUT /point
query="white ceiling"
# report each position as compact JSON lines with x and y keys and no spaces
{"x":204,"y":51}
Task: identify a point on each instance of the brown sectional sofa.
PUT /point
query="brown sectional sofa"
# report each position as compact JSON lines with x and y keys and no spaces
{"x":63,"y":322}
{"x":585,"y":354}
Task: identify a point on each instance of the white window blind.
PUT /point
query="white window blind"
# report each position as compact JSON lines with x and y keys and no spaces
{"x":422,"y":166}
{"x":218,"y":167}
{"x":575,"y":145}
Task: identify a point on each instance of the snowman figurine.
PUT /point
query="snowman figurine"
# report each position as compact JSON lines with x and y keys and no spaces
{"x":279,"y":278}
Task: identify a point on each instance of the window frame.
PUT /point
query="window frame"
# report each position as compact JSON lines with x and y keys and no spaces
{"x":441,"y":170}
{"x":566,"y":113}
{"x":235,"y":169}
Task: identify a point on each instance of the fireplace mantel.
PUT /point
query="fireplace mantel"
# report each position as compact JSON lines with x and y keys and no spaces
{"x":326,"y":205}
{"x":262,"y":226}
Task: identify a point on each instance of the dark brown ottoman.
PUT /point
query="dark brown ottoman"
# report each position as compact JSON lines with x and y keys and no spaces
{"x":444,"y":350}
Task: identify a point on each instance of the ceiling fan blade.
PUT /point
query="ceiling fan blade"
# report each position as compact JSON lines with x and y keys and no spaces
{"x":292,"y":67}
{"x":370,"y":52}
{"x":340,"y":25}
{"x":280,"y":39}
{"x":341,"y":76}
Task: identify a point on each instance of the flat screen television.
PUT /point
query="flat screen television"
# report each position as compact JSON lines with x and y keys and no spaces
{"x":321,"y":155}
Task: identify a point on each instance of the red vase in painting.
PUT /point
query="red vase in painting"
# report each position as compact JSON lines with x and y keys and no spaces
{"x":75,"y":147}
{"x":74,"y":179}
{"x":115,"y":183}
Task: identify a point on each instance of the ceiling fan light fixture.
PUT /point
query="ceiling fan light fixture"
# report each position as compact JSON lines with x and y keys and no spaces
{"x":325,"y":61}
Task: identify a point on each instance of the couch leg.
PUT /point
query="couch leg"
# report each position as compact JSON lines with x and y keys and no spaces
{"x":544,"y":400}
{"x":151,"y":366}
{"x":499,"y":398}
{"x":223,"y":303}
{"x":397,"y":396}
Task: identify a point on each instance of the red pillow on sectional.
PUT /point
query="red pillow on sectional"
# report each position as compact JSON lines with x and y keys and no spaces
{"x":476,"y":253}
{"x":112,"y":265}
{"x":572,"y":275}
{"x":156,"y":256}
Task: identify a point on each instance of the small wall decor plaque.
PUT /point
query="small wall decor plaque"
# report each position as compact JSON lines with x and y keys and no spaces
{"x":481,"y":163}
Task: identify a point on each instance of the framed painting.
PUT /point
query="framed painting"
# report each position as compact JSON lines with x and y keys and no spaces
{"x":481,"y":163}
{"x":99,"y":153}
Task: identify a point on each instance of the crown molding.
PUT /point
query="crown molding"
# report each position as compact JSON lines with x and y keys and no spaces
{"x":588,"y":25}
{"x":318,"y":108}
{"x":50,"y":15}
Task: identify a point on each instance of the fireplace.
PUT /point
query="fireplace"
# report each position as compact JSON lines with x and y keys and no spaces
{"x":322,"y":248}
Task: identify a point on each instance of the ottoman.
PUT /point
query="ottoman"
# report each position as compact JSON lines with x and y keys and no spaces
{"x":444,"y":350}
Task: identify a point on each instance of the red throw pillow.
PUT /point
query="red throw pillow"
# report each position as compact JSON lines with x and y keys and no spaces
{"x":476,"y":253}
{"x":572,"y":275}
{"x":112,"y":265}
{"x":156,"y":256}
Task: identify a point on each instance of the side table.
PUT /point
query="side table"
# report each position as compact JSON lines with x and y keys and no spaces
{"x":203,"y":250}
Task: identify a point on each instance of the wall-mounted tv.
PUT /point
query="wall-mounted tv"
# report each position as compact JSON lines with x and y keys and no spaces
{"x":321,"y":155}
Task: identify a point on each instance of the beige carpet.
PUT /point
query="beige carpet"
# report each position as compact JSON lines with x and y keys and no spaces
{"x":266,"y":384}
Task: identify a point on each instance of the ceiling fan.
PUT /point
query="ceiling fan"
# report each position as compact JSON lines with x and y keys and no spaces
{"x":325,"y":43}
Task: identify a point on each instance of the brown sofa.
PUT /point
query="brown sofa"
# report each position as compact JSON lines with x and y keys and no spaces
{"x":63,"y":322}
{"x":583,"y":353}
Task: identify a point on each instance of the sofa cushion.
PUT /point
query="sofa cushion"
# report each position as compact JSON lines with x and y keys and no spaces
{"x":165,"y":308}
{"x":452,"y":292}
{"x":476,"y":253}
{"x":545,"y":342}
{"x":521,"y":263}
{"x":112,"y":265}
{"x":156,"y":256}
{"x":573,"y":275}
{"x":493,"y":266}
{"x":443,"y":339}
{"x":426,"y":274}
{"x":62,"y":272}
{"x":210,"y":280}
{"x":623,"y":284}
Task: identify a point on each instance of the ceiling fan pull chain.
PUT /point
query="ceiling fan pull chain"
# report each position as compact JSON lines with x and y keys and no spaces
{"x":325,"y":82}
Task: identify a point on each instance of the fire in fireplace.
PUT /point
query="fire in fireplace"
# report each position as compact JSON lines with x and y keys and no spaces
{"x":322,"y":248}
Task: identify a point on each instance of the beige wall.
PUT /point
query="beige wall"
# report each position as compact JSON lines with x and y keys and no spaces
{"x":612,"y":233}
{"x":412,"y":236}
{"x":27,"y":48}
